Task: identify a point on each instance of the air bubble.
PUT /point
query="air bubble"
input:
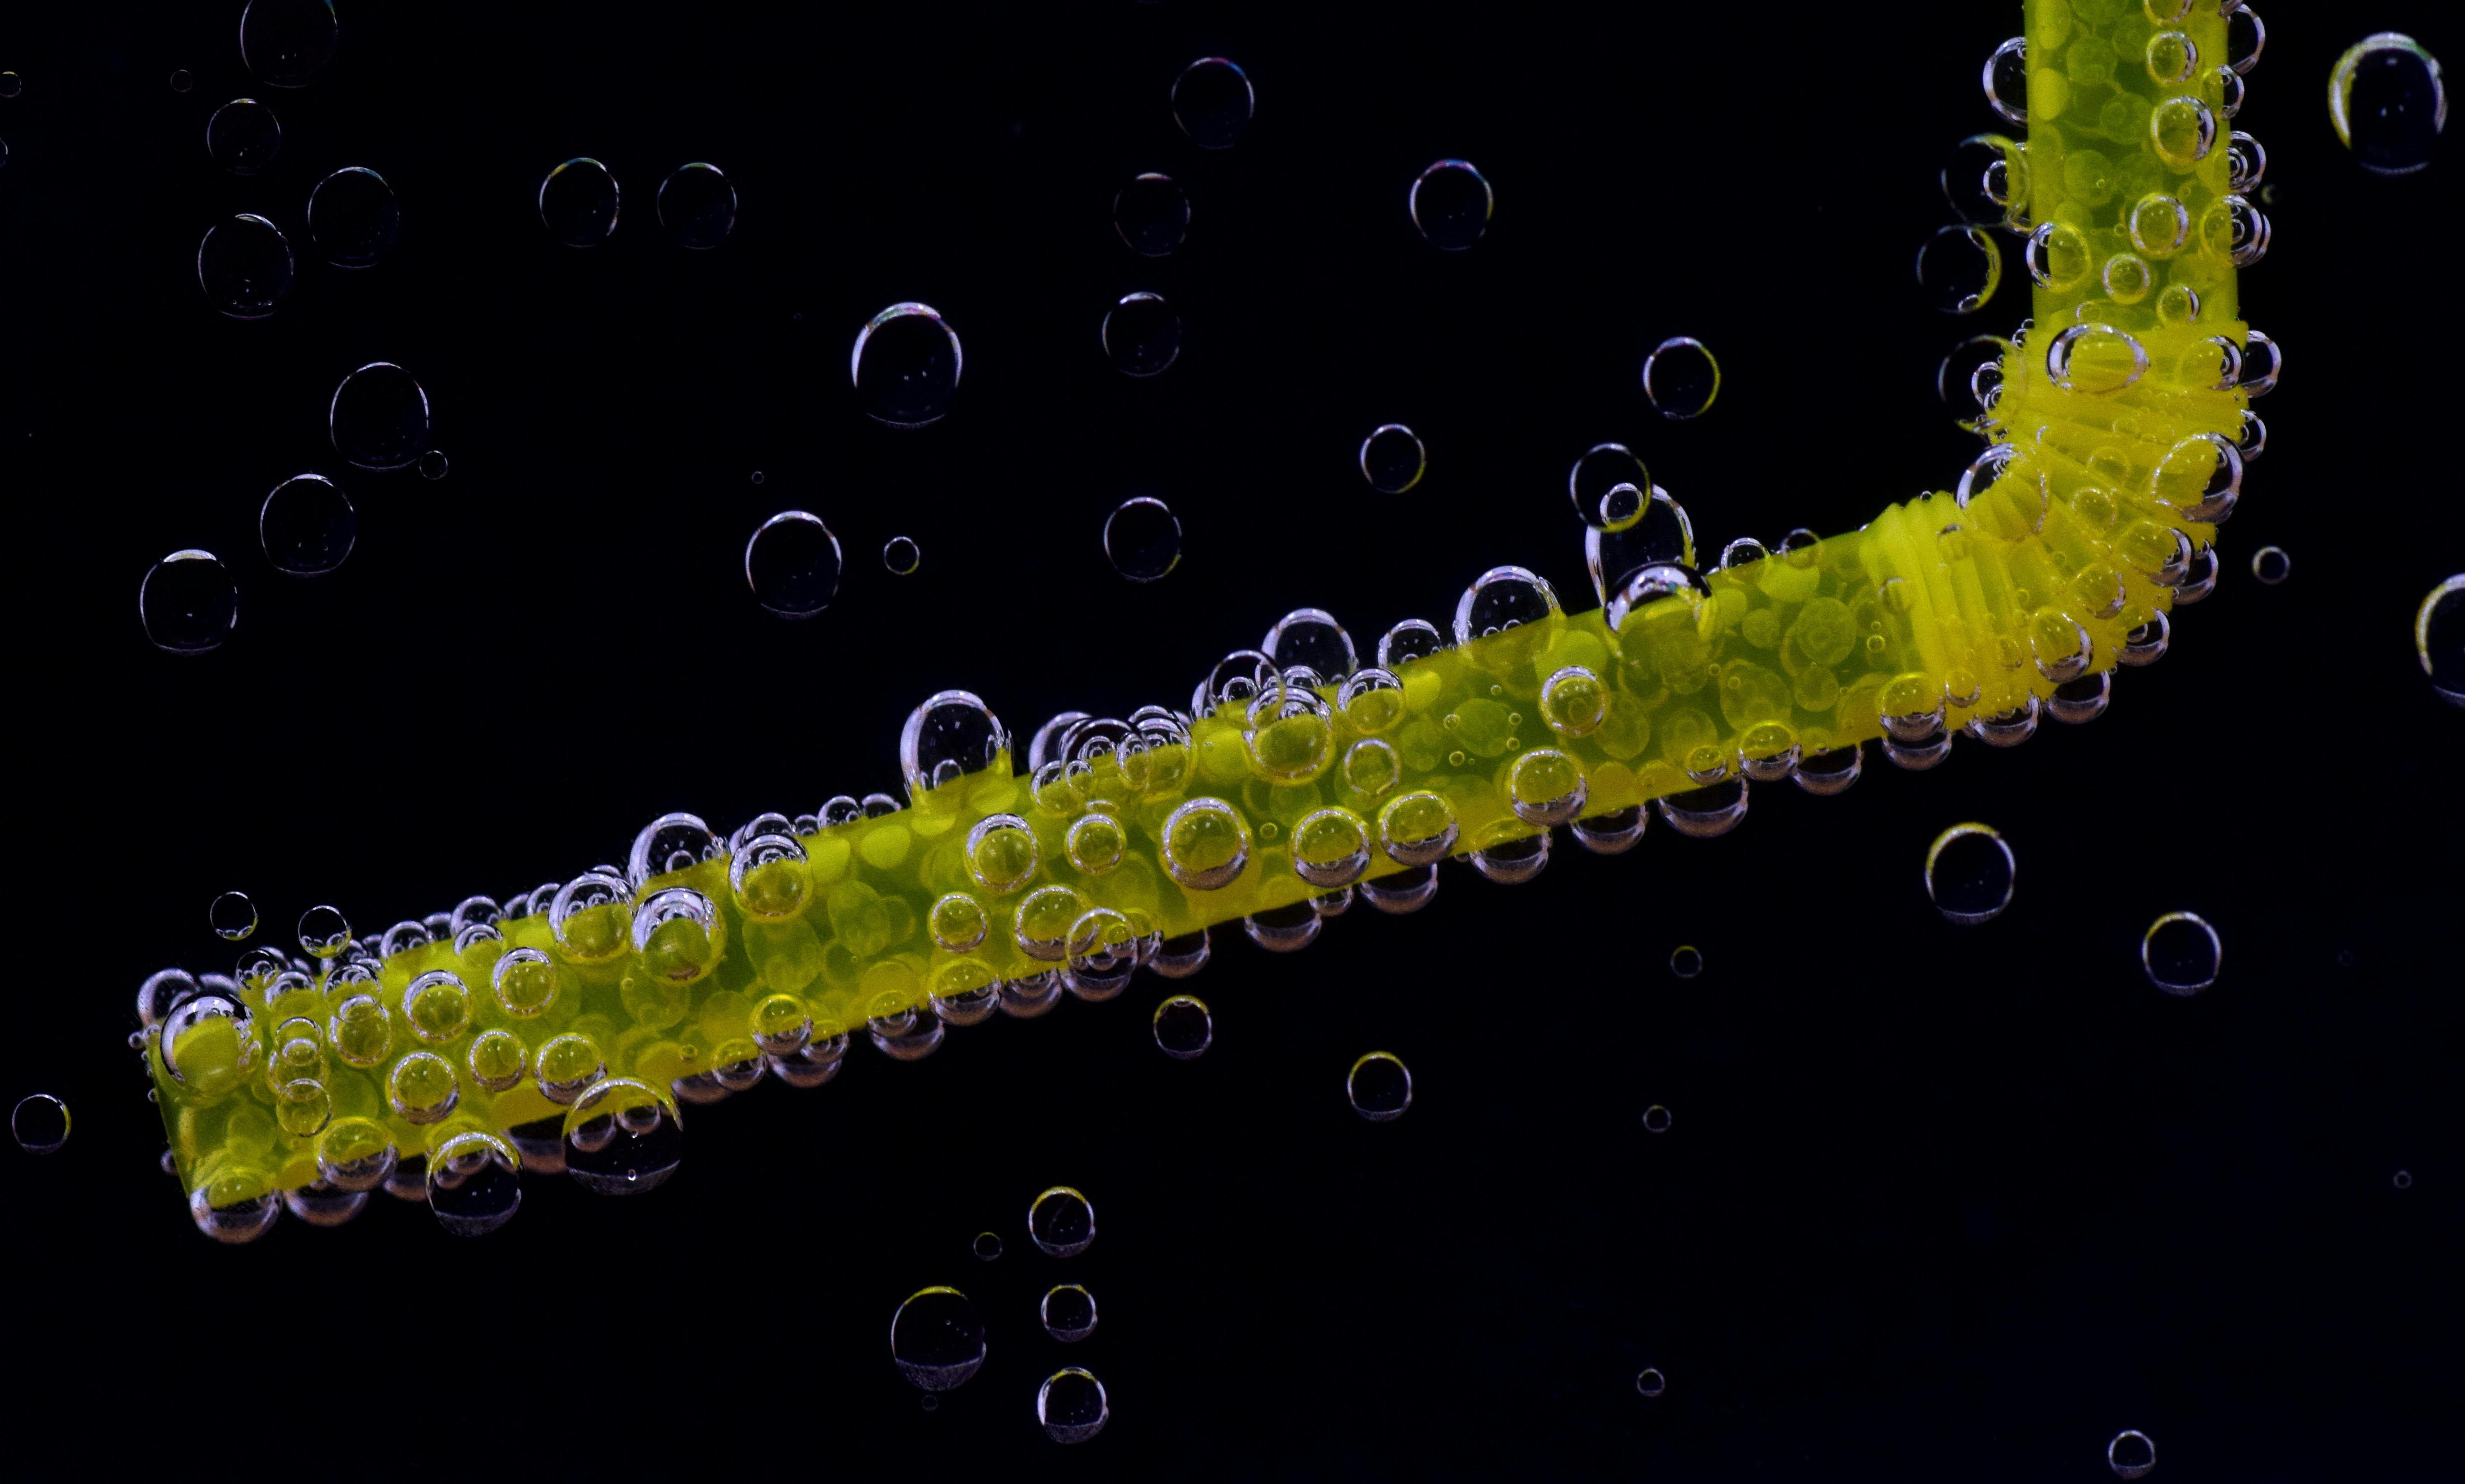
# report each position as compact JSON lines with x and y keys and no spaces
{"x":1069,"y":1313}
{"x":2271,"y":565}
{"x":697,"y":205}
{"x":1152,"y":214}
{"x":792,"y":565}
{"x":905,"y":365}
{"x":2388,"y":102}
{"x":1450,"y":203}
{"x":1392,"y":460}
{"x":1655,"y":1120}
{"x":2006,"y":80}
{"x":900,"y":555}
{"x":353,"y":217}
{"x":1213,"y":102}
{"x":1604,"y":469}
{"x":1141,"y":334}
{"x":2180,"y":953}
{"x":937,"y":1338}
{"x":1649,"y":1382}
{"x":578,"y":202}
{"x":187,"y":603}
{"x":233,"y":915}
{"x":621,"y":1138}
{"x":950,"y":736}
{"x":1183,"y":1029}
{"x":379,"y":417}
{"x":40,"y":1123}
{"x":434,"y":466}
{"x":1960,"y":268}
{"x":1311,"y":639}
{"x":307,"y":526}
{"x":2131,"y":1454}
{"x":243,"y":136}
{"x":288,"y":42}
{"x":988,"y":1246}
{"x":244,"y":266}
{"x":1686,"y":962}
{"x":1142,"y":539}
{"x":1968,"y":873}
{"x":1379,"y":1086}
{"x":1061,"y":1222}
{"x":1680,"y":378}
{"x":2439,"y":639}
{"x":1071,"y":1404}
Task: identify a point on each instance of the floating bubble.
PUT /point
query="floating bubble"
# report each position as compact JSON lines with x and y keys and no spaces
{"x":1213,"y":102}
{"x":792,"y":565}
{"x":2131,"y":1454}
{"x":40,"y":1123}
{"x":1687,"y":960}
{"x":1071,"y":1406}
{"x":233,"y":917}
{"x":2439,"y":639}
{"x":621,"y":1137}
{"x":1680,"y":379}
{"x":1152,"y":214}
{"x":1379,"y":1086}
{"x":1061,"y":1222}
{"x":1069,"y":1313}
{"x":1141,"y":334}
{"x":2006,"y":80}
{"x":906,"y":366}
{"x":243,"y":136}
{"x":1655,"y":1120}
{"x":323,"y":933}
{"x":187,"y":603}
{"x":1311,"y":639}
{"x":10,"y":84}
{"x":181,"y":81}
{"x":1960,"y":268}
{"x":433,"y":465}
{"x":1183,"y":1029}
{"x":1392,"y":460}
{"x":988,"y":1246}
{"x":288,"y":42}
{"x":2271,"y":565}
{"x":474,"y":1183}
{"x":1649,"y":1382}
{"x":379,"y":418}
{"x":307,"y":526}
{"x":1987,"y":182}
{"x":244,"y":266}
{"x":1604,"y":469}
{"x":900,"y":555}
{"x":1450,"y":203}
{"x":353,"y":217}
{"x":1142,"y":539}
{"x":697,"y":206}
{"x":2180,"y":953}
{"x":2403,"y":1180}
{"x":578,"y":202}
{"x":1968,"y":873}
{"x":2388,"y":102}
{"x":937,"y":1338}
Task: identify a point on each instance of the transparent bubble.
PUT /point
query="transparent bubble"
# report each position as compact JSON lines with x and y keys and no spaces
{"x":474,"y":1183}
{"x":1960,"y":268}
{"x":697,"y":205}
{"x":433,"y":465}
{"x":1061,"y":1222}
{"x":1502,"y":598}
{"x":905,"y":365}
{"x":2439,"y":639}
{"x":1213,"y":102}
{"x":226,"y":1210}
{"x":1687,"y":960}
{"x":988,"y":1246}
{"x":307,"y":526}
{"x":1183,"y":1029}
{"x":1665,"y":598}
{"x":1141,"y":334}
{"x":792,"y":565}
{"x":2246,"y":36}
{"x":2271,"y":565}
{"x":1968,"y":873}
{"x":2006,"y":80}
{"x":1311,"y":639}
{"x":1071,"y":1404}
{"x":353,"y":217}
{"x":11,"y":84}
{"x":951,"y":734}
{"x":244,"y":266}
{"x":578,"y":202}
{"x":1379,"y":1086}
{"x":2180,"y":953}
{"x":233,"y":915}
{"x":2131,"y":1454}
{"x":243,"y":136}
{"x":40,"y":1123}
{"x":1987,"y":182}
{"x":288,"y":42}
{"x":1655,"y":1120}
{"x":1681,"y":379}
{"x":162,"y":992}
{"x":2403,"y":1180}
{"x":180,"y":80}
{"x":1392,"y":460}
{"x":187,"y":603}
{"x":1604,"y":469}
{"x":1069,"y":1313}
{"x":1142,"y":539}
{"x":1152,"y":214}
{"x":1451,"y":204}
{"x":621,"y":1138}
{"x":2389,"y":103}
{"x":900,"y":555}
{"x":937,"y":1338}
{"x":379,"y":418}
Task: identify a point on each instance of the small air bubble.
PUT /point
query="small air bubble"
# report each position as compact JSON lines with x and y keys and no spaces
{"x":1680,"y":377}
{"x":1213,"y":102}
{"x":1968,"y":873}
{"x":1071,"y":1404}
{"x":1655,"y":1120}
{"x":988,"y":1246}
{"x":2439,"y":639}
{"x":187,"y":603}
{"x":1142,"y":539}
{"x":1392,"y":460}
{"x":1069,"y":1313}
{"x":2403,"y":1180}
{"x":353,"y":217}
{"x":1141,"y":334}
{"x":697,"y":205}
{"x":792,"y":565}
{"x":1379,"y":1087}
{"x":244,"y":266}
{"x":579,"y":202}
{"x":906,"y":366}
{"x":307,"y":526}
{"x":2180,"y":953}
{"x":1451,"y":204}
{"x":1960,"y":268}
{"x":1183,"y":1029}
{"x":1152,"y":214}
{"x":379,"y":417}
{"x":2271,"y":565}
{"x":2388,"y":102}
{"x":234,"y":917}
{"x":1649,"y":1382}
{"x":181,"y":81}
{"x":435,"y":465}
{"x":40,"y":1123}
{"x":2131,"y":1454}
{"x":1686,"y":962}
{"x":900,"y":556}
{"x":243,"y":136}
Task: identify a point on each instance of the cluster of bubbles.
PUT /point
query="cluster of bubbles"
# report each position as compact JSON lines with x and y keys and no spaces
{"x":938,"y":1334}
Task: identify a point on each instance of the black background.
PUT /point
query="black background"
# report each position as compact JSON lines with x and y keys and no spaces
{"x":1937,"y":1203}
